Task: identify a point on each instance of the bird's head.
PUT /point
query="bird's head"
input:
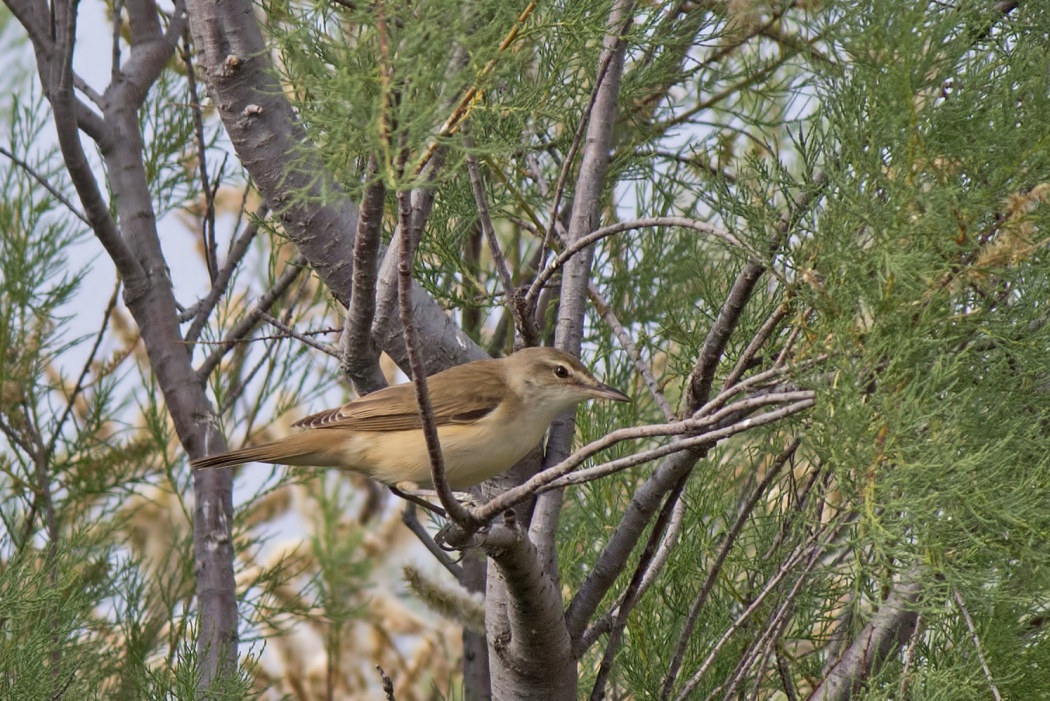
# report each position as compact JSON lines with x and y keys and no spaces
{"x":556,"y":379}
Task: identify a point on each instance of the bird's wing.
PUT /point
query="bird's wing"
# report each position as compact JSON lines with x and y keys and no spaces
{"x":394,"y":408}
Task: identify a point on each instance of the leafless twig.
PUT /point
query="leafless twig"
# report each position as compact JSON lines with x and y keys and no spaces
{"x":252,"y":318}
{"x":302,"y":338}
{"x":977,"y":645}
{"x":80,"y":384}
{"x":410,"y":518}
{"x":559,"y":475}
{"x":632,"y":350}
{"x":716,"y":566}
{"x":199,"y":312}
{"x":816,"y":548}
{"x":523,"y":321}
{"x":620,"y":227}
{"x":73,"y":209}
{"x":632,"y":593}
{"x":456,"y":511}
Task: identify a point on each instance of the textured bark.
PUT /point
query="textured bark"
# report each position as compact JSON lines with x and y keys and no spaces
{"x":315,"y":213}
{"x":530,"y":656}
{"x":268,"y":139}
{"x":134,"y":247}
{"x":476,"y":685}
{"x":888,"y":630}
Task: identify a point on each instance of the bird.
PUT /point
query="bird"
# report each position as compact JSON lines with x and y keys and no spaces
{"x":489,"y":414}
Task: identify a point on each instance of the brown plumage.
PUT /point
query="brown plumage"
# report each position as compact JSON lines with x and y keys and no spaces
{"x":489,"y":414}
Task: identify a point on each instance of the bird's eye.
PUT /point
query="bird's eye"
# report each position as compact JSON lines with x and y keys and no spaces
{"x":561,"y":371}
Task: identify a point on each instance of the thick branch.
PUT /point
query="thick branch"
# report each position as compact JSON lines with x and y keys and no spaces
{"x":586,"y":213}
{"x":529,"y":649}
{"x":888,"y":630}
{"x":360,"y":360}
{"x":269,"y":139}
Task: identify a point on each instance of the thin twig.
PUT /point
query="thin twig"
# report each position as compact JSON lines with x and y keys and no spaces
{"x":627,"y":343}
{"x":523,"y":321}
{"x":559,"y":475}
{"x":208,"y":220}
{"x":977,"y":645}
{"x":577,"y":140}
{"x":47,"y":186}
{"x":606,"y":231}
{"x":118,"y":24}
{"x":457,"y":512}
{"x":631,"y":595}
{"x":410,"y":518}
{"x":80,"y":384}
{"x":466,"y":103}
{"x":238,"y":249}
{"x":716,"y":567}
{"x":302,"y":338}
{"x":251,"y":319}
{"x":785,"y":675}
{"x":604,"y":624}
{"x":794,"y":559}
{"x":761,"y":379}
{"x":756,"y":343}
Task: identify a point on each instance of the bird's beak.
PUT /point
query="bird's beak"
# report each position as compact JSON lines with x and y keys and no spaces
{"x":604,"y":391}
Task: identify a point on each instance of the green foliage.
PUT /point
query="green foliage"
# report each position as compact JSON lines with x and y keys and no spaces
{"x":888,"y":164}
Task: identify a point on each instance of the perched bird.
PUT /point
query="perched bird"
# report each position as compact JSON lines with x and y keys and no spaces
{"x":489,"y":414}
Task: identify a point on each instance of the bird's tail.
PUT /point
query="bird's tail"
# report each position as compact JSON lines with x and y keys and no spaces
{"x":300,"y":449}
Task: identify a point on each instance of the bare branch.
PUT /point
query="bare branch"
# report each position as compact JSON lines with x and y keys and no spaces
{"x":627,"y":343}
{"x":704,"y":440}
{"x":703,"y":375}
{"x":152,"y":48}
{"x":73,"y":209}
{"x":446,"y":343}
{"x":252,"y":318}
{"x":203,"y":309}
{"x":410,"y":518}
{"x":586,"y":213}
{"x":604,"y":624}
{"x":302,"y":338}
{"x":712,"y":573}
{"x":558,"y":475}
{"x":816,"y":550}
{"x":632,"y":594}
{"x":523,"y":321}
{"x":891,"y":626}
{"x":756,"y":343}
{"x":360,"y":361}
{"x":456,"y":511}
{"x":586,"y":122}
{"x":59,"y":86}
{"x":977,"y":645}
{"x":583,"y":242}
{"x":208,"y":220}
{"x":80,"y":384}
{"x":525,"y":621}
